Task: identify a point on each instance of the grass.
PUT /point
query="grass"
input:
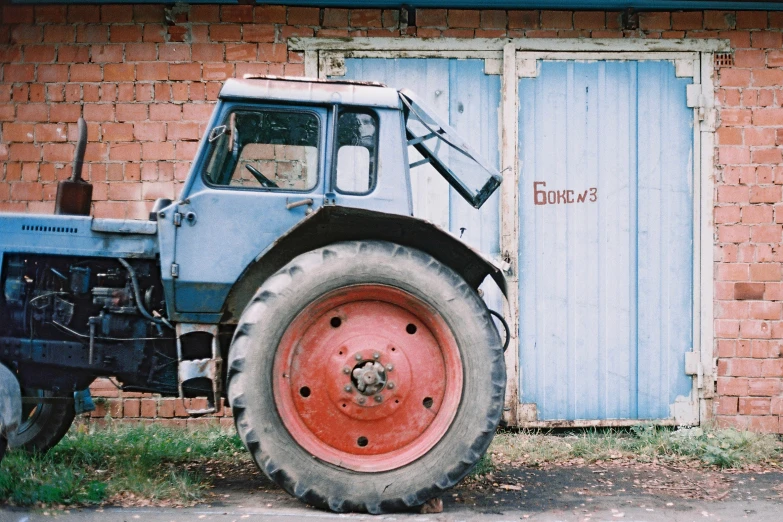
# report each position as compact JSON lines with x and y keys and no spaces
{"x":119,"y":462}
{"x":720,"y":448}
{"x":152,"y":464}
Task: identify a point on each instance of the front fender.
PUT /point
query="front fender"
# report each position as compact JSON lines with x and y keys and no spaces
{"x":330,"y":224}
{"x":10,"y":401}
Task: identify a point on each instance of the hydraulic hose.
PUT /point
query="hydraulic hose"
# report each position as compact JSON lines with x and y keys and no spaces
{"x":137,"y":294}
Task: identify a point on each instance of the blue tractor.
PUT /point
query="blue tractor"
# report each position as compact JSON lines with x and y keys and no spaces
{"x":291,"y":281}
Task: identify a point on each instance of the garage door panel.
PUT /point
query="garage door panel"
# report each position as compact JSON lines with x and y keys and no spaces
{"x":598,"y":294}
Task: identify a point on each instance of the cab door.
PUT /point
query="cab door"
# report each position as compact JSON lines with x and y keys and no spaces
{"x":262,"y":173}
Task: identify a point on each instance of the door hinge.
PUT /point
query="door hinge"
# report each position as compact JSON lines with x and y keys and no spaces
{"x":693,"y":366}
{"x":330,"y":198}
{"x":177,"y":219}
{"x":174,"y":270}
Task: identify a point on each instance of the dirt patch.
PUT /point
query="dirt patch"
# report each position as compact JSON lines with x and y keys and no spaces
{"x":610,"y":485}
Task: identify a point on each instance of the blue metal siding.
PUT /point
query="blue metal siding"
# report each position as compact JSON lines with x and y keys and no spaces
{"x":606,"y":286}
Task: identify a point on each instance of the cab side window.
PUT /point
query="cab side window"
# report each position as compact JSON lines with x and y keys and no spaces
{"x":357,"y":144}
{"x":272,"y":150}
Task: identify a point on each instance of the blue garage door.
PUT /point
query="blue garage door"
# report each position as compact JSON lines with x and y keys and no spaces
{"x":606,"y":239}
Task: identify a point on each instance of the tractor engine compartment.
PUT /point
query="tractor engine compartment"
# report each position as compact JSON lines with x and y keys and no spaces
{"x":92,"y":316}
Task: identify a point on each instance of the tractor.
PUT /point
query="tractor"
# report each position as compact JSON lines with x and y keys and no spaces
{"x":289,"y":281}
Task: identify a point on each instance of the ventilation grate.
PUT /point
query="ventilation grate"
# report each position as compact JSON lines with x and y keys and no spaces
{"x":724,"y":60}
{"x":41,"y":228}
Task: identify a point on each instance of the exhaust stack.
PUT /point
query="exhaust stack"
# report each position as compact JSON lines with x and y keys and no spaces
{"x":74,"y":196}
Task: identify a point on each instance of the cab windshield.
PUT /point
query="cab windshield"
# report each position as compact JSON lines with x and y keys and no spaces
{"x":441,"y":147}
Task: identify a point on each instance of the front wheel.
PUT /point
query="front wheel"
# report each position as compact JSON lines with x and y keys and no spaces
{"x":366,"y":376}
{"x":44,"y":424}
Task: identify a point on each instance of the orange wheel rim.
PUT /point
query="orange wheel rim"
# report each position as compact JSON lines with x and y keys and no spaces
{"x":368,"y":378}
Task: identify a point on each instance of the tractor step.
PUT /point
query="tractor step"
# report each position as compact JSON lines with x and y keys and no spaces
{"x":200,"y":366}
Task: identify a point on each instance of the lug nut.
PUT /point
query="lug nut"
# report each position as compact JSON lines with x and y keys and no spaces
{"x":376,"y":355}
{"x":378,"y":398}
{"x":389,"y":367}
{"x":390,"y":385}
{"x":358,"y":357}
{"x":361,"y":400}
{"x":346,"y":370}
{"x":347,"y":388}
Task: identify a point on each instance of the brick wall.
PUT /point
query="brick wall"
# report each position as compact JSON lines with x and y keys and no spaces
{"x":147,"y":77}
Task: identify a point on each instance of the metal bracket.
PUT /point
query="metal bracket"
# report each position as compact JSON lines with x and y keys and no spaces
{"x":693,"y":366}
{"x":211,"y":369}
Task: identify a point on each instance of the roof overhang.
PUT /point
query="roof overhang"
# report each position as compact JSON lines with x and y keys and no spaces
{"x":609,"y":5}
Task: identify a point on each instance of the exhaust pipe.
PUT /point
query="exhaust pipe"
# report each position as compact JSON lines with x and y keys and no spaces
{"x":74,"y":196}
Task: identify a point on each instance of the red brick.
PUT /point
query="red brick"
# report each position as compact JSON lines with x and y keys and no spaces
{"x":767,"y":77}
{"x":148,"y":407}
{"x":765,"y":310}
{"x":523,"y":19}
{"x":303,"y":16}
{"x":99,"y":112}
{"x":335,"y":17}
{"x":50,"y":132}
{"x":13,"y":72}
{"x":767,"y":155}
{"x":217,"y":71}
{"x":236,"y":13}
{"x":757,"y":214}
{"x":32,"y":112}
{"x":734,"y":77}
{"x":289,"y":31}
{"x":258,"y":33}
{"x":719,"y":20}
{"x":732,"y":386}
{"x":727,"y":405}
{"x":17,"y":14}
{"x":763,"y":387}
{"x":86,"y":73}
{"x":185,"y":71}
{"x":751,"y":406}
{"x":765,"y":272}
{"x":149,"y":131}
{"x":26,"y":191}
{"x":125,"y":152}
{"x":766,"y":39}
{"x":732,"y":272}
{"x":759,"y":136}
{"x":183,"y":131}
{"x":131,"y":112}
{"x":275,"y":53}
{"x":766,"y":194}
{"x":117,"y":132}
{"x":733,"y":155}
{"x":18,"y":132}
{"x":775,"y":58}
{"x":197,"y":112}
{"x":225,"y":33}
{"x":589,"y":20}
{"x":125,"y":33}
{"x":152,"y":71}
{"x":119,"y":72}
{"x":165,"y":112}
{"x":556,"y":19}
{"x":365,"y":18}
{"x":207,"y":52}
{"x":733,"y":233}
{"x":493,"y":19}
{"x":270,"y":14}
{"x":431,"y":18}
{"x":124,"y":191}
{"x":157,"y":151}
{"x":174,"y":52}
{"x":49,"y":73}
{"x":241,"y":52}
{"x":654,"y":20}
{"x":739,"y":117}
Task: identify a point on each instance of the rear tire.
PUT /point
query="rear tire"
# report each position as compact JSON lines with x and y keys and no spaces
{"x":43,"y":425}
{"x":289,"y":371}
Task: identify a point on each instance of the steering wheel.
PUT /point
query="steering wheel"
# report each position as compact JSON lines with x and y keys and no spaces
{"x":266,"y":182}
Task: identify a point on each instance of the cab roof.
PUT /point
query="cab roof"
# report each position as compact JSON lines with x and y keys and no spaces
{"x":311,"y":90}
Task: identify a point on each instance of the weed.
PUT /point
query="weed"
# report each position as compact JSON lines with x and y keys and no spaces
{"x":722,"y":448}
{"x":143,"y":462}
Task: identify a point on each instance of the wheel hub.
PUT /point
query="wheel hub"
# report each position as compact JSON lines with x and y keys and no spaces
{"x":369,"y":377}
{"x":344,"y":378}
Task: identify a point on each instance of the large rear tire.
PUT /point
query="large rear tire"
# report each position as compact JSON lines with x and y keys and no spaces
{"x":366,"y":376}
{"x":44,"y":424}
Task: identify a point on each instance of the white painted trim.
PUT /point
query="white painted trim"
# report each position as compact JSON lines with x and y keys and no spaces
{"x":509,"y":221}
{"x":520,"y":44}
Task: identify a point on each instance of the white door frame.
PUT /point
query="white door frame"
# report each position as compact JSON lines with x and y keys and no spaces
{"x":515,"y":58}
